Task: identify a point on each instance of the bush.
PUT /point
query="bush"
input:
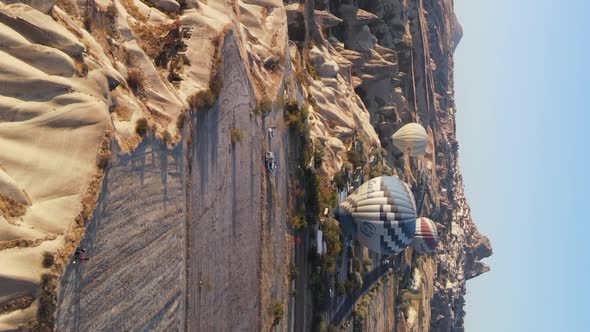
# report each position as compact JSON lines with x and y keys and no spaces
{"x":340,"y":289}
{"x":368,"y":263}
{"x":339,"y":181}
{"x":332,"y":237}
{"x":202,"y":100}
{"x":236,"y":135}
{"x":135,"y":80}
{"x":47,"y":299}
{"x":103,"y":158}
{"x":313,"y":72}
{"x":278,"y":311}
{"x":166,"y":137}
{"x":141,"y":127}
{"x":298,"y":222}
{"x":293,"y":272}
{"x":318,"y":155}
{"x":356,"y":264}
{"x":379,"y":170}
{"x":48,"y":259}
{"x":355,"y":159}
{"x":181,"y":120}
{"x":264,"y":106}
{"x":349,"y":286}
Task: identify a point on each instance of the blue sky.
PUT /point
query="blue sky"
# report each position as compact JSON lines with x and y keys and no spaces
{"x":521,"y":81}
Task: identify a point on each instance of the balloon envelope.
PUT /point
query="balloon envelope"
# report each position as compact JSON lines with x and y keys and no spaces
{"x":426,"y":236}
{"x":381,"y":213}
{"x":411,"y":139}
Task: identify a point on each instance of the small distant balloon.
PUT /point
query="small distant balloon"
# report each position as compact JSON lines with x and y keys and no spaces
{"x":411,"y":139}
{"x":426,"y":236}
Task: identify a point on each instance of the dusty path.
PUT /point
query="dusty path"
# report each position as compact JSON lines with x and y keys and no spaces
{"x":225,"y":208}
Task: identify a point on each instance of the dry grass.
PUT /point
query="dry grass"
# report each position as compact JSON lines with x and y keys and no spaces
{"x":11,"y":208}
{"x":136,"y":80}
{"x":148,"y":37}
{"x":26,"y":243}
{"x":69,"y":7}
{"x":132,"y":9}
{"x":201,"y":100}
{"x":123,"y":112}
{"x":237,"y":135}
{"x":141,"y":127}
{"x":16,"y":304}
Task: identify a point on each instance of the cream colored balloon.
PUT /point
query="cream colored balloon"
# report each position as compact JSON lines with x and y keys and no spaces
{"x":411,"y":139}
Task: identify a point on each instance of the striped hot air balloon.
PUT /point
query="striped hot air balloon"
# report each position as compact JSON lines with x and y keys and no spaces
{"x":411,"y":139}
{"x":426,"y":237}
{"x":381,"y":213}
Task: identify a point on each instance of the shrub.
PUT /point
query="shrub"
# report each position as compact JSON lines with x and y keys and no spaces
{"x":349,"y":286}
{"x":332,"y":237}
{"x":103,"y":158}
{"x":47,"y":299}
{"x":263,"y":106}
{"x":201,"y":100}
{"x":10,"y":207}
{"x":379,"y":170}
{"x":236,"y":135}
{"x":48,"y":259}
{"x":318,"y":154}
{"x":339,"y":181}
{"x":292,"y":105}
{"x":282,"y":101}
{"x":368,"y":263}
{"x":135,"y":80}
{"x":329,"y":263}
{"x":278,"y":311}
{"x":313,"y":72}
{"x":293,"y":272}
{"x":181,"y":120}
{"x":356,"y":264}
{"x":298,"y":223}
{"x":355,"y":158}
{"x":166,"y":137}
{"x":141,"y":127}
{"x":340,"y":289}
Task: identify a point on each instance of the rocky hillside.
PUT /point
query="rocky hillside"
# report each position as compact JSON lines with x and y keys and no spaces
{"x":139,"y":129}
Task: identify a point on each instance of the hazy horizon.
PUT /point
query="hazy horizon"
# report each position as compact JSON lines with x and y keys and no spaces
{"x":520,"y":75}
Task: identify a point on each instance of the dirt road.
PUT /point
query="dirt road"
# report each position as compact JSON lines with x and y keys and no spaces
{"x":134,"y":279}
{"x":225,"y":203}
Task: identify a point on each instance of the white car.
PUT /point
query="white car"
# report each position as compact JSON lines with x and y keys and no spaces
{"x":271,"y":164}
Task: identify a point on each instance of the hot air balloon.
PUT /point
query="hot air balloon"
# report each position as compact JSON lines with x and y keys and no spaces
{"x":426,"y":237}
{"x":411,"y":139}
{"x":381,"y":213}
